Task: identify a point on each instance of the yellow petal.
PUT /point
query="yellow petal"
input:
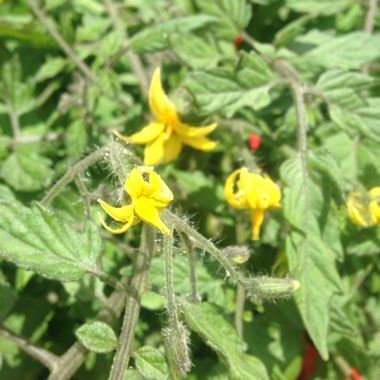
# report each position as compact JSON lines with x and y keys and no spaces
{"x":159,"y":103}
{"x":234,"y":198}
{"x":134,"y":183}
{"x":146,"y":211}
{"x":146,"y":135}
{"x":121,"y":214}
{"x":201,"y":143}
{"x":189,"y":131}
{"x":161,"y":194}
{"x":374,"y":192}
{"x":172,"y":148}
{"x":257,"y":217}
{"x":357,"y":210}
{"x":154,"y":151}
{"x":120,"y":230}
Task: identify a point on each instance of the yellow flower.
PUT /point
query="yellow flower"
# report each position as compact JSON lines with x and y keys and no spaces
{"x":364,"y":209}
{"x":247,"y":190}
{"x":148,"y":195}
{"x":165,"y":136}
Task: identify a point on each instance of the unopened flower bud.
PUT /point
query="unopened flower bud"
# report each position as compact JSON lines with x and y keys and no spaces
{"x":271,"y":288}
{"x":237,"y":254}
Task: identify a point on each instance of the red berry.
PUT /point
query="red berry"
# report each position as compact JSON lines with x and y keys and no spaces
{"x":254,"y":141}
{"x":238,"y":41}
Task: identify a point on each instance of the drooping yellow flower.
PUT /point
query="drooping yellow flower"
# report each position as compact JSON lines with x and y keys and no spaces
{"x":364,"y":209}
{"x":252,"y":191}
{"x":148,"y":197}
{"x":165,"y":136}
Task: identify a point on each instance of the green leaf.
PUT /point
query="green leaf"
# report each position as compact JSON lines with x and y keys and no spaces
{"x":318,"y":7}
{"x":307,"y":199}
{"x":155,"y":37}
{"x":209,"y":322}
{"x":231,"y":16}
{"x":51,"y":68}
{"x":26,"y":170}
{"x":343,"y":88}
{"x":349,"y":51}
{"x":76,"y":139}
{"x":35,"y":239}
{"x":97,"y":336}
{"x":194,"y":51}
{"x":110,"y":45}
{"x":151,"y":363}
{"x":225,"y":91}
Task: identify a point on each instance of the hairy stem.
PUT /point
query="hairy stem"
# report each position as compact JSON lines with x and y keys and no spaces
{"x":171,"y":305}
{"x":191,"y":260}
{"x":132,"y":308}
{"x":201,"y":242}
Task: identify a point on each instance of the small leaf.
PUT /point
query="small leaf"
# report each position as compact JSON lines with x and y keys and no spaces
{"x":76,"y":139}
{"x":97,"y":336}
{"x":151,"y":363}
{"x":209,"y":323}
{"x":7,"y":297}
{"x":35,"y":239}
{"x":51,"y":68}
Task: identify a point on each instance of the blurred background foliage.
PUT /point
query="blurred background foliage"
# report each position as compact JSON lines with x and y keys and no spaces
{"x":72,"y":71}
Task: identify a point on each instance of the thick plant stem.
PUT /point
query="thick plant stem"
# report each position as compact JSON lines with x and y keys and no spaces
{"x":132,"y":308}
{"x":48,"y":359}
{"x":171,"y":305}
{"x":191,"y":260}
{"x":240,"y":293}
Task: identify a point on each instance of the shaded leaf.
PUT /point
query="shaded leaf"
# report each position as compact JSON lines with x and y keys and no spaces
{"x":207,"y":321}
{"x":151,"y":363}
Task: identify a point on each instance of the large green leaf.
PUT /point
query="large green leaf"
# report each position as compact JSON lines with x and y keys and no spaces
{"x":35,"y":239}
{"x":151,"y":363}
{"x":226,"y":91}
{"x":231,"y":16}
{"x":155,"y":37}
{"x":209,"y":322}
{"x":307,"y":203}
{"x":319,"y":7}
{"x":195,"y":51}
{"x":324,"y":49}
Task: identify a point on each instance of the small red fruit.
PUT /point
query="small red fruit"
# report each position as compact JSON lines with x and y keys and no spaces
{"x":254,"y":141}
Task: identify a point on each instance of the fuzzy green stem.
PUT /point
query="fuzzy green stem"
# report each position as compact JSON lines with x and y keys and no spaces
{"x":240,"y":293}
{"x":132,"y":308}
{"x":191,"y":260}
{"x":171,"y":305}
{"x":201,"y":242}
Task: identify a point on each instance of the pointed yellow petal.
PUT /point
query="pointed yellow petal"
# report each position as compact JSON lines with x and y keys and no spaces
{"x":172,"y":148}
{"x":154,"y":151}
{"x":160,"y":192}
{"x":201,"y":143}
{"x":134,"y":183}
{"x":234,"y":198}
{"x":146,"y":135}
{"x":159,"y":103}
{"x":120,"y":230}
{"x":121,"y":214}
{"x":146,"y":211}
{"x":189,"y":131}
{"x":257,"y":217}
